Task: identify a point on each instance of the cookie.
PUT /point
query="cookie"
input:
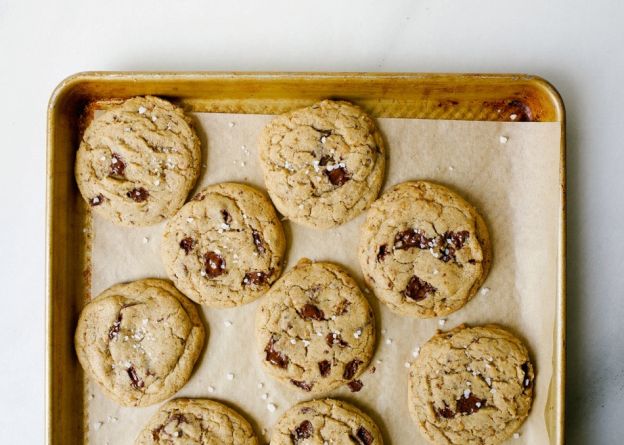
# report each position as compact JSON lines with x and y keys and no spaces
{"x":325,"y":421}
{"x":225,"y":247}
{"x":197,"y":422}
{"x":471,"y":386}
{"x":139,"y":341}
{"x":424,"y":250}
{"x":315,"y":329}
{"x":324,"y":164}
{"x":138,"y":161}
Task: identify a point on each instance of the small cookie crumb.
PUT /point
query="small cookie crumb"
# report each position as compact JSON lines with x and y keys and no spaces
{"x":271,"y":407}
{"x":407,"y":364}
{"x":231,"y":124}
{"x":389,"y":341}
{"x":260,"y":385}
{"x":97,"y":425}
{"x":230,"y":376}
{"x":485,"y":290}
{"x":227,"y":323}
{"x":416,"y":351}
{"x":264,"y":396}
{"x":145,"y":240}
{"x":441,"y":321}
{"x":211,"y":389}
{"x":516,"y":435}
{"x":503,"y":139}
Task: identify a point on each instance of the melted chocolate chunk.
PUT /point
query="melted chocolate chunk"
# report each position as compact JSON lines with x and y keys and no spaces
{"x":255,"y":278}
{"x":114,"y":329}
{"x":452,"y":241}
{"x":351,"y":368}
{"x":138,"y":194}
{"x":97,"y":200}
{"x":446,"y":412}
{"x":187,"y":244}
{"x":364,"y":435}
{"x":335,"y":339}
{"x":303,"y":431}
{"x":418,"y":289}
{"x":382,"y":252}
{"x":303,"y":385}
{"x":472,"y":261}
{"x":257,"y":239}
{"x":526,"y":382}
{"x":156,"y":433}
{"x":275,"y":357}
{"x":178,"y":418}
{"x":470,"y":405}
{"x":338,"y":176}
{"x":311,"y":312}
{"x":227,"y":218}
{"x":136,"y":381}
{"x":342,"y":307}
{"x":412,"y":238}
{"x":118,"y":167}
{"x":214,"y":264}
{"x":355,"y":385}
{"x":324,"y":368}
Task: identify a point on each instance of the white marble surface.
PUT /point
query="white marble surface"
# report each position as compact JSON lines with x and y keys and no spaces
{"x":576,"y":44}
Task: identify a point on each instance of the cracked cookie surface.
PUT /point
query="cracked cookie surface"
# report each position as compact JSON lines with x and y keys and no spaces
{"x":471,"y":385}
{"x":424,"y":250}
{"x":225,"y":247}
{"x":324,"y":164}
{"x":197,"y":422}
{"x":138,"y":161}
{"x":315,"y":329}
{"x":139,"y":341}
{"x":325,"y":421}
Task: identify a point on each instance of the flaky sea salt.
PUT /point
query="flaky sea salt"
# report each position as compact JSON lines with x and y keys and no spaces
{"x":503,"y":139}
{"x":441,"y":321}
{"x":416,"y":351}
{"x":230,"y":376}
{"x":211,"y":389}
{"x":271,"y":407}
{"x":142,"y":110}
{"x":227,"y":323}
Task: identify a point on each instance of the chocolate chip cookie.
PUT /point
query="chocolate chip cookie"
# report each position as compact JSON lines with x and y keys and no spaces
{"x":224,"y":247}
{"x":197,"y":422}
{"x":424,"y":250}
{"x":139,"y":341}
{"x":471,"y":385}
{"x":325,"y":421}
{"x":315,"y":329}
{"x":324,"y":164}
{"x":138,"y":161}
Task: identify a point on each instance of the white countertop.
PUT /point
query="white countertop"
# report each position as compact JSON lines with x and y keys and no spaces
{"x":577,"y":45}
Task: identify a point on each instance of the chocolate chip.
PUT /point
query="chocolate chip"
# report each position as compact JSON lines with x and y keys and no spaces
{"x":472,"y":261}
{"x":336,"y":339}
{"x":214,"y":264}
{"x":187,"y":244}
{"x":227,"y":218}
{"x":351,"y":368}
{"x":364,"y":435}
{"x":138,"y":194}
{"x":311,"y":312}
{"x":114,"y":329}
{"x":382,"y":252}
{"x":338,"y":176}
{"x":156,"y":433}
{"x":324,"y":368}
{"x":303,"y":431}
{"x":255,"y":278}
{"x":118,"y":167}
{"x":274,"y":357}
{"x":526,"y":382}
{"x":257,"y":239}
{"x":355,"y":385}
{"x":324,"y":133}
{"x":342,"y":307}
{"x":178,"y":418}
{"x":445,"y":412}
{"x":97,"y":200}
{"x":418,"y":289}
{"x":470,"y":404}
{"x":325,"y":160}
{"x":303,"y":385}
{"x":136,"y":382}
{"x":412,"y":238}
{"x":198,"y":197}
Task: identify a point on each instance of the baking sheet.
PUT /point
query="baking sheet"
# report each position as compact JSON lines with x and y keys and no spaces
{"x":509,"y":171}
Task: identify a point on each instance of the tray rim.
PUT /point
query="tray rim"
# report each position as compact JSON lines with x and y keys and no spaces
{"x":70,"y":83}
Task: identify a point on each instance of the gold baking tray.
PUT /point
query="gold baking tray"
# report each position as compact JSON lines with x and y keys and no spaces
{"x":500,"y":97}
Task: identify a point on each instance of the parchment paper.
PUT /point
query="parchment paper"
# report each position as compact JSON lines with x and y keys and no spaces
{"x":514,"y":185}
